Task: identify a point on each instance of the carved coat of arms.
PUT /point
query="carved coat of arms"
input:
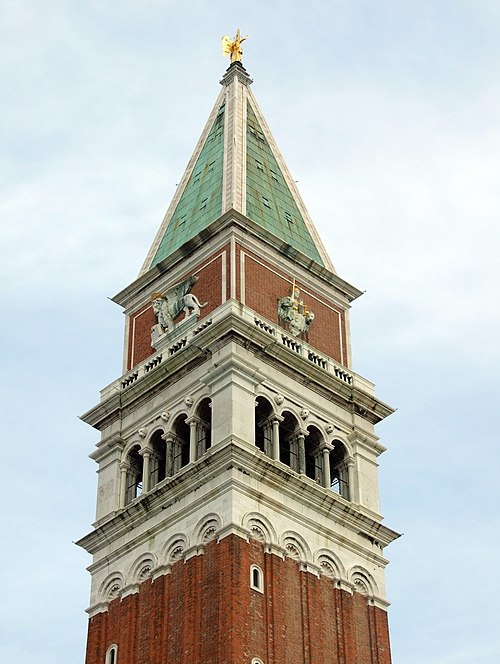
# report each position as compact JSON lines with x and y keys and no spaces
{"x":168,"y":306}
{"x":293,"y":314}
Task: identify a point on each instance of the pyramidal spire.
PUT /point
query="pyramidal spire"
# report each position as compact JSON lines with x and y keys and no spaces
{"x":237,"y":165}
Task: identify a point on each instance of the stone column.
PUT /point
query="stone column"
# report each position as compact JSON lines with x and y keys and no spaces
{"x":327,"y":479}
{"x":275,"y":437}
{"x":301,"y":452}
{"x":193,"y":437}
{"x":169,"y":442}
{"x":146,"y":469}
{"x":202,"y":439}
{"x":267,"y":431}
{"x":350,"y":478}
{"x":124,"y":468}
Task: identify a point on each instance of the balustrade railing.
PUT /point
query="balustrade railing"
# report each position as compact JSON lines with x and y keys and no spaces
{"x":275,"y":332}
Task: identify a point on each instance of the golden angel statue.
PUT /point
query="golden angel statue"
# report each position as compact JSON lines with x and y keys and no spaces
{"x":233,"y":46}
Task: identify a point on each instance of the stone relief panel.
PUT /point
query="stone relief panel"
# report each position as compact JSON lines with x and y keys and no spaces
{"x":207,"y":529}
{"x":295,"y":546}
{"x":170,"y":305}
{"x":259,"y":527}
{"x":329,"y":564}
{"x":112,"y":587}
{"x":142,"y":568}
{"x":174,"y":549}
{"x":325,"y":323}
{"x":294,"y":315}
{"x":363,"y":581}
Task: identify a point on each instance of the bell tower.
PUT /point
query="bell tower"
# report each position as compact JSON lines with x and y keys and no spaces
{"x":238,"y":512}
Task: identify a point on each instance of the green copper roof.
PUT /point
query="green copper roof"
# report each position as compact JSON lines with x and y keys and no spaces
{"x":201,"y":201}
{"x":269,"y":200}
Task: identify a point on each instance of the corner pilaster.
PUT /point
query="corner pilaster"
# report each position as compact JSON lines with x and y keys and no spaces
{"x":233,"y":384}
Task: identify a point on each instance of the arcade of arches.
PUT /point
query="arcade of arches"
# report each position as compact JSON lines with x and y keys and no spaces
{"x":281,"y":437}
{"x":166,"y":453}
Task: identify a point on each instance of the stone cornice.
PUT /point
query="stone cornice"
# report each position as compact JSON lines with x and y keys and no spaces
{"x":246,"y":227}
{"x":237,"y":465}
{"x":227,"y":321}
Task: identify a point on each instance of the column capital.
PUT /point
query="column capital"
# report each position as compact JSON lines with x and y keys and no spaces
{"x":271,"y":419}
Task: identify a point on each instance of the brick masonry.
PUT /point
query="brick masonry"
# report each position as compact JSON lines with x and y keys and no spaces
{"x":264,"y":285}
{"x":205,"y":612}
{"x":261,"y":288}
{"x":207,"y":289}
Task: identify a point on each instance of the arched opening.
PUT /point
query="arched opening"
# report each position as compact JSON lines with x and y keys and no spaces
{"x":288,"y":430}
{"x":339,"y":471}
{"x":135,"y":471}
{"x":256,"y":578}
{"x":314,"y":465}
{"x":157,"y":471}
{"x":180,"y":443}
{"x":204,"y":427}
{"x":111,"y":655}
{"x":263,"y":425}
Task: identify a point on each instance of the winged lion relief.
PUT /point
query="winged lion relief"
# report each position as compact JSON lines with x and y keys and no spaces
{"x":170,"y":305}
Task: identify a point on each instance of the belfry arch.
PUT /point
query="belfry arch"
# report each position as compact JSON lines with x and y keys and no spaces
{"x":158,"y":459}
{"x":202,"y":424}
{"x":289,"y":432}
{"x":313,"y":454}
{"x":134,"y":467}
{"x":340,"y":470}
{"x":264,"y":415}
{"x":179,"y":445}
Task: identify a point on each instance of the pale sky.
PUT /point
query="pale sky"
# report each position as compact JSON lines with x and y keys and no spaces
{"x":388,"y":116}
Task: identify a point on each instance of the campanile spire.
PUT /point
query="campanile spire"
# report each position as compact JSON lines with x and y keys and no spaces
{"x":238,"y":517}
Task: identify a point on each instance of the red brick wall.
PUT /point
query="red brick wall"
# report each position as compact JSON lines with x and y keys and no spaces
{"x":205,"y":612}
{"x":265,"y":285}
{"x":208,"y":288}
{"x":139,"y":340}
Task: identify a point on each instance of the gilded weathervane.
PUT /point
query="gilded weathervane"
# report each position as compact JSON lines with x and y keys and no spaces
{"x":233,"y":46}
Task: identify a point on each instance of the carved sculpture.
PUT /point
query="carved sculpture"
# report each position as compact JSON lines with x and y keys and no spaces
{"x":232,"y":47}
{"x":167,"y":306}
{"x":293,"y":314}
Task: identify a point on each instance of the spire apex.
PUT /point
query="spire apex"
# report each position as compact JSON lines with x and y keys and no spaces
{"x":237,"y":166}
{"x":238,"y":70}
